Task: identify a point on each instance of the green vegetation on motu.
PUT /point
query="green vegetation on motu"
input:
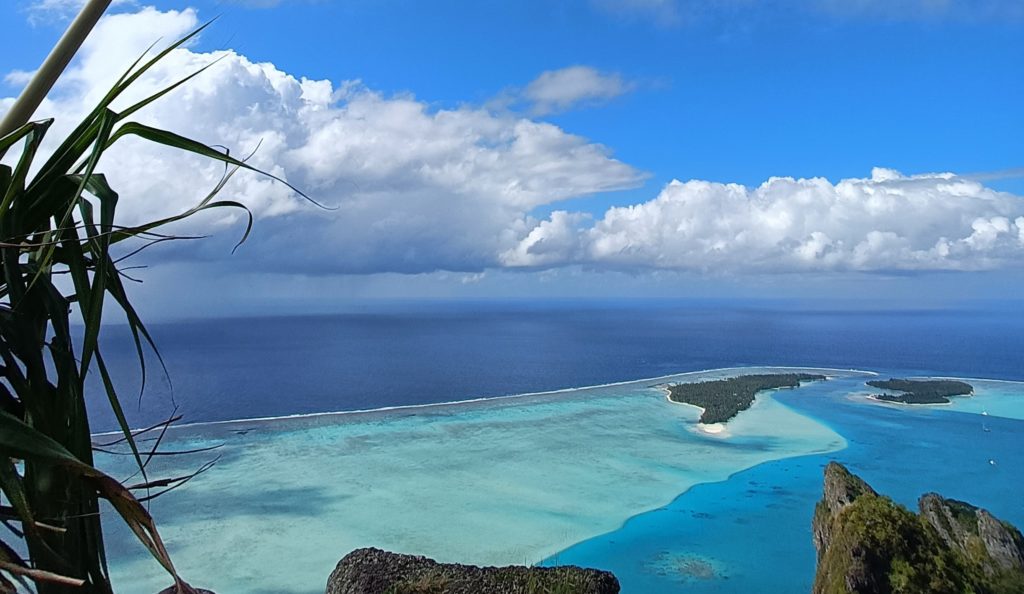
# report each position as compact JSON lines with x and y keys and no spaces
{"x":921,"y":391}
{"x":724,"y":399}
{"x":62,"y":257}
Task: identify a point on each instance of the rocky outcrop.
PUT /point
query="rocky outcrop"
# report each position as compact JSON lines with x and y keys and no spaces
{"x":869,"y":545}
{"x":841,"y":489}
{"x":975,"y":533}
{"x":373,"y":571}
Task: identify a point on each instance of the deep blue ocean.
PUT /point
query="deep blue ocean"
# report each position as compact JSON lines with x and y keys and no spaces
{"x":404,"y":354}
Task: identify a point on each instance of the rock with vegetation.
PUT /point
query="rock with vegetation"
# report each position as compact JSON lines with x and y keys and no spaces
{"x":373,"y":571}
{"x":867,"y":544}
{"x":724,"y":399}
{"x":921,"y":391}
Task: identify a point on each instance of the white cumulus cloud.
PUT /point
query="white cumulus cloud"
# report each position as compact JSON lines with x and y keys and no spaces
{"x":416,"y":188}
{"x":421,"y":189}
{"x":18,"y":78}
{"x":888,"y":222}
{"x":43,"y":11}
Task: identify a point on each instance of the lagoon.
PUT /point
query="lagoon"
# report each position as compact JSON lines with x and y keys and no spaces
{"x":614,"y":477}
{"x":512,"y":480}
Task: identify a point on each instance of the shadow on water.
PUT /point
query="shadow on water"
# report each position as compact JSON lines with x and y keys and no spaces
{"x":294,"y":502}
{"x":299,"y":503}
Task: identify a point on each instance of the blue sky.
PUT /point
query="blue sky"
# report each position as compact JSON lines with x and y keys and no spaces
{"x":638,"y":93}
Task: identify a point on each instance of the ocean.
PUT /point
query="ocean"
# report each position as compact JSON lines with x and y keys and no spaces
{"x":611,"y":476}
{"x":404,"y":354}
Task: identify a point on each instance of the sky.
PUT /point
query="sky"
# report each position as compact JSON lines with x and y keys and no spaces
{"x":569,"y":149}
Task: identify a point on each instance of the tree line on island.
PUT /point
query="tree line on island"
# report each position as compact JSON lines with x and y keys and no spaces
{"x":723,"y":399}
{"x":921,"y":391}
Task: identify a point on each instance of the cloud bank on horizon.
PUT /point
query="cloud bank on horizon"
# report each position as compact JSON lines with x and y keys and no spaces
{"x":419,"y":189}
{"x":888,"y":222}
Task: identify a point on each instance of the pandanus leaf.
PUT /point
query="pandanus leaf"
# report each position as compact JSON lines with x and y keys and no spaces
{"x":61,"y":220}
{"x":19,"y":440}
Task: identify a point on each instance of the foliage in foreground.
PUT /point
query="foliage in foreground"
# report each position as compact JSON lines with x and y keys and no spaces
{"x":57,"y":221}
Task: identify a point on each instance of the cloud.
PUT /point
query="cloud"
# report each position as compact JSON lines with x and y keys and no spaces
{"x":44,"y":11}
{"x":561,"y":90}
{"x":416,"y":188}
{"x":556,"y":241}
{"x":886,"y":223}
{"x":914,"y":10}
{"x":1010,"y":173}
{"x":54,"y":8}
{"x":664,"y":12}
{"x":419,"y":189}
{"x":18,"y":78}
{"x":674,"y":12}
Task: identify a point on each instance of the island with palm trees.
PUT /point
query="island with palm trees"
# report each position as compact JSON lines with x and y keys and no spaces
{"x":725,"y":398}
{"x":908,"y":391}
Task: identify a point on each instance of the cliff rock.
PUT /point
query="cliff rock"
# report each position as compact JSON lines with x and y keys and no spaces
{"x":373,"y":571}
{"x":867,"y":544}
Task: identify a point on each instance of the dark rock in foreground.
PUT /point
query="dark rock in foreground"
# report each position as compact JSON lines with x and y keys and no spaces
{"x":373,"y":571}
{"x":869,"y":545}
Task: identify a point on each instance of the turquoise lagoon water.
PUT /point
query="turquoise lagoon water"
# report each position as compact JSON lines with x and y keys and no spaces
{"x":992,"y":397}
{"x":752,"y":532}
{"x":613,"y":477}
{"x":492,"y":482}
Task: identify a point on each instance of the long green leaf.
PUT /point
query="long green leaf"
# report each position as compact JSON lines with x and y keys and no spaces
{"x":14,"y":137}
{"x":33,"y":139}
{"x":22,"y":441}
{"x":127,"y":113}
{"x":177,"y":141}
{"x":115,"y":405}
{"x":15,"y":493}
{"x":72,"y":149}
{"x":62,"y":222}
{"x":106,"y":124}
